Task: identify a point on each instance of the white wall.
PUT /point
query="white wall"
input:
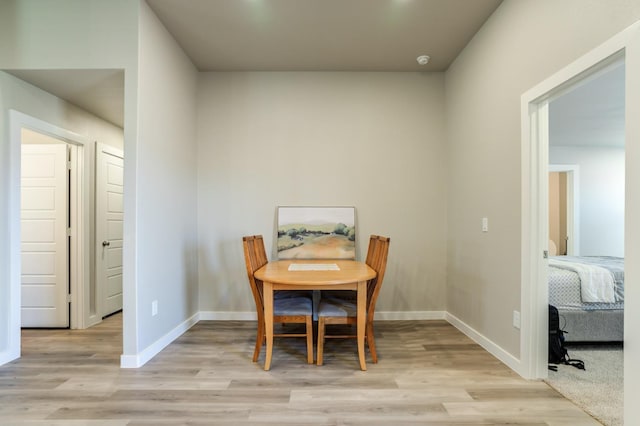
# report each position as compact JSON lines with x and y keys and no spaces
{"x":370,"y":140}
{"x":166,"y":186}
{"x":601,"y":203}
{"x":521,"y":44}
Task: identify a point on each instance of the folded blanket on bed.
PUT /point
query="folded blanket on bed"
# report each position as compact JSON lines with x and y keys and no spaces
{"x":596,"y":283}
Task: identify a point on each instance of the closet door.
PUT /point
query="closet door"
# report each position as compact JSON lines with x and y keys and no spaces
{"x":109,"y":221}
{"x":45,"y":246}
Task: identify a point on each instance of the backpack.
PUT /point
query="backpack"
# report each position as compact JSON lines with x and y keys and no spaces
{"x":557,"y":351}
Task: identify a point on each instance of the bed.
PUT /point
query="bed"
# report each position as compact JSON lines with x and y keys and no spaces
{"x":593,"y":312}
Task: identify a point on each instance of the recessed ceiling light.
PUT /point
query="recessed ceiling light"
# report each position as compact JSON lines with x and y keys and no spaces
{"x":423,"y":59}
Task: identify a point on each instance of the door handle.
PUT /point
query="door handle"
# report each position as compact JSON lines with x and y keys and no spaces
{"x":106,"y":244}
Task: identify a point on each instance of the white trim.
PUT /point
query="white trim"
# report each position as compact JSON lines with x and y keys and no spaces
{"x":491,"y":347}
{"x":8,"y":356}
{"x":140,"y":359}
{"x":18,"y":121}
{"x":136,"y":361}
{"x":632,"y":230}
{"x":534,"y":117}
{"x":380,"y":316}
{"x":79,"y":262}
{"x":410,"y":315}
{"x":15,"y":148}
{"x":533,"y":339}
{"x":228,"y":316}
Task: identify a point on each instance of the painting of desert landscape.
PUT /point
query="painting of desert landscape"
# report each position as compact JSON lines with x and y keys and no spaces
{"x":316,"y":233}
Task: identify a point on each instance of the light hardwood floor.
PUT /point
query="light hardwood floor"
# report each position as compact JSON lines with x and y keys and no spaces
{"x":428,"y":374}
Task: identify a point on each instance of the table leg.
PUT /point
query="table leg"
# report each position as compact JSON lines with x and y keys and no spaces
{"x":362,"y":322}
{"x":267,"y":294}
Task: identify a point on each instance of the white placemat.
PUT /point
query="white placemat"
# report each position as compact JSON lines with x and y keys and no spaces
{"x":313,"y":267}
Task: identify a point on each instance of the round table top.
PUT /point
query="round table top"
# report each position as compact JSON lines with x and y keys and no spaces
{"x":349,"y":271}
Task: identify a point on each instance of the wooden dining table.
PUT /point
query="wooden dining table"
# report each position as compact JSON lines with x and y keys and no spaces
{"x":315,"y":275}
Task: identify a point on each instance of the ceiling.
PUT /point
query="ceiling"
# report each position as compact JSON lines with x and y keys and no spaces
{"x":101,"y":92}
{"x":334,"y":35}
{"x":291,"y":35}
{"x":592,"y":113}
{"x":322,"y":35}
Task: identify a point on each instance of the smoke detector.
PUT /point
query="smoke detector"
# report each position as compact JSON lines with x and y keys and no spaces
{"x":423,"y":59}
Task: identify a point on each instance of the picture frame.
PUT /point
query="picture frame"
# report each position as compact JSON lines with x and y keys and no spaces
{"x":316,"y":233}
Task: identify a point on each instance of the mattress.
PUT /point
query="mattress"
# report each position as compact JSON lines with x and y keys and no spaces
{"x":564,"y":285}
{"x":588,"y":321}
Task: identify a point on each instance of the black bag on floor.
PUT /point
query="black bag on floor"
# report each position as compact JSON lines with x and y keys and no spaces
{"x":557,"y":351}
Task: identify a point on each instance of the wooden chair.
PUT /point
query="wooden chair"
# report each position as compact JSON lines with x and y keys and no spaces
{"x":294,"y":309}
{"x":334,"y":309}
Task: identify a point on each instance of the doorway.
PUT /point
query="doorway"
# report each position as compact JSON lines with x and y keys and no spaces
{"x":49,"y":207}
{"x":564,"y":209}
{"x":71,"y":260}
{"x":70,"y":99}
{"x":587,"y":130}
{"x":534,"y":111}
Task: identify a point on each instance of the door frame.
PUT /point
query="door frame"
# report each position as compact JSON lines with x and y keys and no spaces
{"x":535,"y":165}
{"x":80,"y":202}
{"x":573,"y":205}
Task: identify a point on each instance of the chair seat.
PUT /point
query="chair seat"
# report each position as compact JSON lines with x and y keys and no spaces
{"x":340,"y":294}
{"x":341,"y":307}
{"x":287,"y":294}
{"x":336,"y":307}
{"x":292,"y":306}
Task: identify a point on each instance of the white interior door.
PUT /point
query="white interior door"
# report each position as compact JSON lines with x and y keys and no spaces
{"x":109,"y":219}
{"x":44,"y":242}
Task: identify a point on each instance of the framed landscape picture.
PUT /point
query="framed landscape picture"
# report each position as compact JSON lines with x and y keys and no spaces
{"x":316,"y":233}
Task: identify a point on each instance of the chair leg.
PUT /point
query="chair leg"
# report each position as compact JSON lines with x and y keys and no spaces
{"x":371,"y":343}
{"x":320,"y":340}
{"x":259,"y":341}
{"x":310,"y":339}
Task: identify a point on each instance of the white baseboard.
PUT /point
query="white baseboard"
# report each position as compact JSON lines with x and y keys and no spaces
{"x":382,"y":316}
{"x":136,"y":361}
{"x":502,"y":355}
{"x":8,"y":356}
{"x":227,"y":316}
{"x":410,"y":315}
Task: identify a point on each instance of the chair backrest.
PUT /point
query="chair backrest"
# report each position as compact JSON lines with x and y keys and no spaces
{"x":373,"y":244}
{"x":377,"y":260}
{"x":261,"y":254}
{"x":255,"y":257}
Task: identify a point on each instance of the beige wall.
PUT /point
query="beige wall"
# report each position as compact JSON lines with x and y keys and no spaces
{"x":370,"y":140}
{"x":166,"y":185}
{"x":524,"y":42}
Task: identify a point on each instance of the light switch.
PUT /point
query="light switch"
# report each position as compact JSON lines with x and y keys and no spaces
{"x":516,"y":319}
{"x":485,"y":224}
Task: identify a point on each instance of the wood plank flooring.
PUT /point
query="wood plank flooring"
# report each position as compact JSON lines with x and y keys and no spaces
{"x":428,"y":374}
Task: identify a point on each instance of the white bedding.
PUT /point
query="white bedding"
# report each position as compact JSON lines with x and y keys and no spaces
{"x":597,"y":284}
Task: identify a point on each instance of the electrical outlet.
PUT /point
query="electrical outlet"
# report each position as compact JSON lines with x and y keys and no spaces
{"x":485,"y":224}
{"x":154,"y":308}
{"x":516,"y":319}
